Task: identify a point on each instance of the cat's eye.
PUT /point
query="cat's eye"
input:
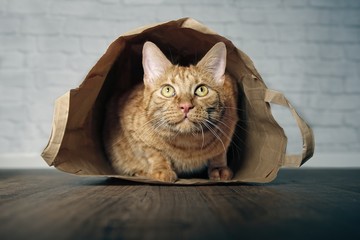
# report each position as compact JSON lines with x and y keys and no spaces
{"x":201,"y":91}
{"x":168,"y":91}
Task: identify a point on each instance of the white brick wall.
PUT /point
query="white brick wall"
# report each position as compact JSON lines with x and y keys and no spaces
{"x":309,"y":49}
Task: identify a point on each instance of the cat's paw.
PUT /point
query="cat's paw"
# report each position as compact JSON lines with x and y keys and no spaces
{"x":164,"y":175}
{"x":220,"y":173}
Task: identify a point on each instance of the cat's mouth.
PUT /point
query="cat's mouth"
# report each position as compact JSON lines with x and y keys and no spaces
{"x":186,"y":124}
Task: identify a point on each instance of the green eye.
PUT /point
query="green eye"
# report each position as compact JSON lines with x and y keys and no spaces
{"x":168,"y":91}
{"x":201,"y":91}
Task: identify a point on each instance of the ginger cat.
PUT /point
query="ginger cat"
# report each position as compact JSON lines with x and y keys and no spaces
{"x":180,"y":120}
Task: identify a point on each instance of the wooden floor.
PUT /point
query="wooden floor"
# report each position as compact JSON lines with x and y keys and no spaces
{"x":300,"y":204}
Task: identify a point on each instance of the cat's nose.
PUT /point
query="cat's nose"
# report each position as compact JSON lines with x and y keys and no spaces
{"x":186,"y":107}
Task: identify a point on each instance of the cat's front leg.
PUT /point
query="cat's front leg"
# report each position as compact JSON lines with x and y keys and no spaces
{"x":218,"y":169}
{"x":160,"y":168}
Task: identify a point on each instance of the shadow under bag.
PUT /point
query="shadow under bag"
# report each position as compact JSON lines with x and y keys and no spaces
{"x":258,"y":148}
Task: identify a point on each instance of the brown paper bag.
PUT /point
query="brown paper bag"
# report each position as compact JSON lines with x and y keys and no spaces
{"x":258,"y":148}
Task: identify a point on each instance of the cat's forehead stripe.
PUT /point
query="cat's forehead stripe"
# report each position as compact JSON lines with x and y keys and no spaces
{"x":183,"y":75}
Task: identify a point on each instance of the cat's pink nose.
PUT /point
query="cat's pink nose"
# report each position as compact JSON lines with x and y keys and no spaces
{"x":186,"y":107}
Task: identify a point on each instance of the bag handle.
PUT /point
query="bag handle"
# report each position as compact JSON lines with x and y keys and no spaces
{"x":272,"y":96}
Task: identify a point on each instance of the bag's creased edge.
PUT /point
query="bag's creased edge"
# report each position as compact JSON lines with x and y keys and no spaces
{"x":61,"y":111}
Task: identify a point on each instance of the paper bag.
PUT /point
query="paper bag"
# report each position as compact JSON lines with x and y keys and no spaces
{"x":258,"y":148}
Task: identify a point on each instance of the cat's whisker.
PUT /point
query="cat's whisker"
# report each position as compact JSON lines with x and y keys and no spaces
{"x":220,"y":130}
{"x":226,"y":135}
{"x":214,"y":133}
{"x":238,"y":123}
{"x":150,"y":132}
{"x":203,"y":136}
{"x":235,"y":135}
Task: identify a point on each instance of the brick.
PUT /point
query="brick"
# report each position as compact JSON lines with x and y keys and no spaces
{"x":42,"y":25}
{"x":352,"y":119}
{"x":294,"y":144}
{"x":326,"y":68}
{"x":254,"y":49}
{"x":352,"y":70}
{"x":109,"y":1}
{"x":353,"y":52}
{"x":12,"y":60}
{"x":291,"y":50}
{"x":8,"y":128}
{"x":327,"y":3}
{"x":82,"y":62}
{"x":318,"y":33}
{"x":129,"y":13}
{"x":295,"y":3}
{"x":293,"y":65}
{"x":331,"y":51}
{"x":3,"y":5}
{"x":292,"y":16}
{"x":208,"y":13}
{"x":42,"y":112}
{"x":58,"y":44}
{"x":352,"y":84}
{"x":335,"y":147}
{"x":120,"y":28}
{"x":330,"y":84}
{"x":88,"y":27}
{"x":258,"y":3}
{"x":283,"y":116}
{"x":345,"y":34}
{"x":46,"y":61}
{"x":192,"y":2}
{"x":44,"y":128}
{"x":9,"y":25}
{"x":89,"y":9}
{"x":324,"y":118}
{"x":28,"y":7}
{"x":339,"y":102}
{"x":143,"y":2}
{"x":13,"y":112}
{"x":57,"y":79}
{"x":298,"y":100}
{"x":327,"y":17}
{"x":291,"y":33}
{"x":293,"y":81}
{"x":305,"y":50}
{"x":94,"y":45}
{"x":253,"y":16}
{"x":329,"y":135}
{"x":5,"y":144}
{"x":353,"y":3}
{"x":36,"y":96}
{"x":11,"y":95}
{"x":32,"y":138}
{"x":167,"y":13}
{"x":351,"y":17}
{"x":251,"y":32}
{"x":15,"y":43}
{"x":268,"y":66}
{"x":16,"y":78}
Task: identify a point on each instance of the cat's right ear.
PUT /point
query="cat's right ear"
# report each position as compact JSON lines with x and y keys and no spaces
{"x":154,"y":63}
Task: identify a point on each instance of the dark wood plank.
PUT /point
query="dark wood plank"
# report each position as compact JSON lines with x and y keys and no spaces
{"x":299,"y":204}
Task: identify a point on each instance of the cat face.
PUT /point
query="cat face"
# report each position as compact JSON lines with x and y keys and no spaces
{"x":184,"y":99}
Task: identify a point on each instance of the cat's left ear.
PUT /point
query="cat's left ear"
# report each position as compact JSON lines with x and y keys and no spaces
{"x":154,"y":63}
{"x":215,"y":62}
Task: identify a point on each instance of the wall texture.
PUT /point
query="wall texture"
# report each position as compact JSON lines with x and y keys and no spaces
{"x":309,"y":49}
